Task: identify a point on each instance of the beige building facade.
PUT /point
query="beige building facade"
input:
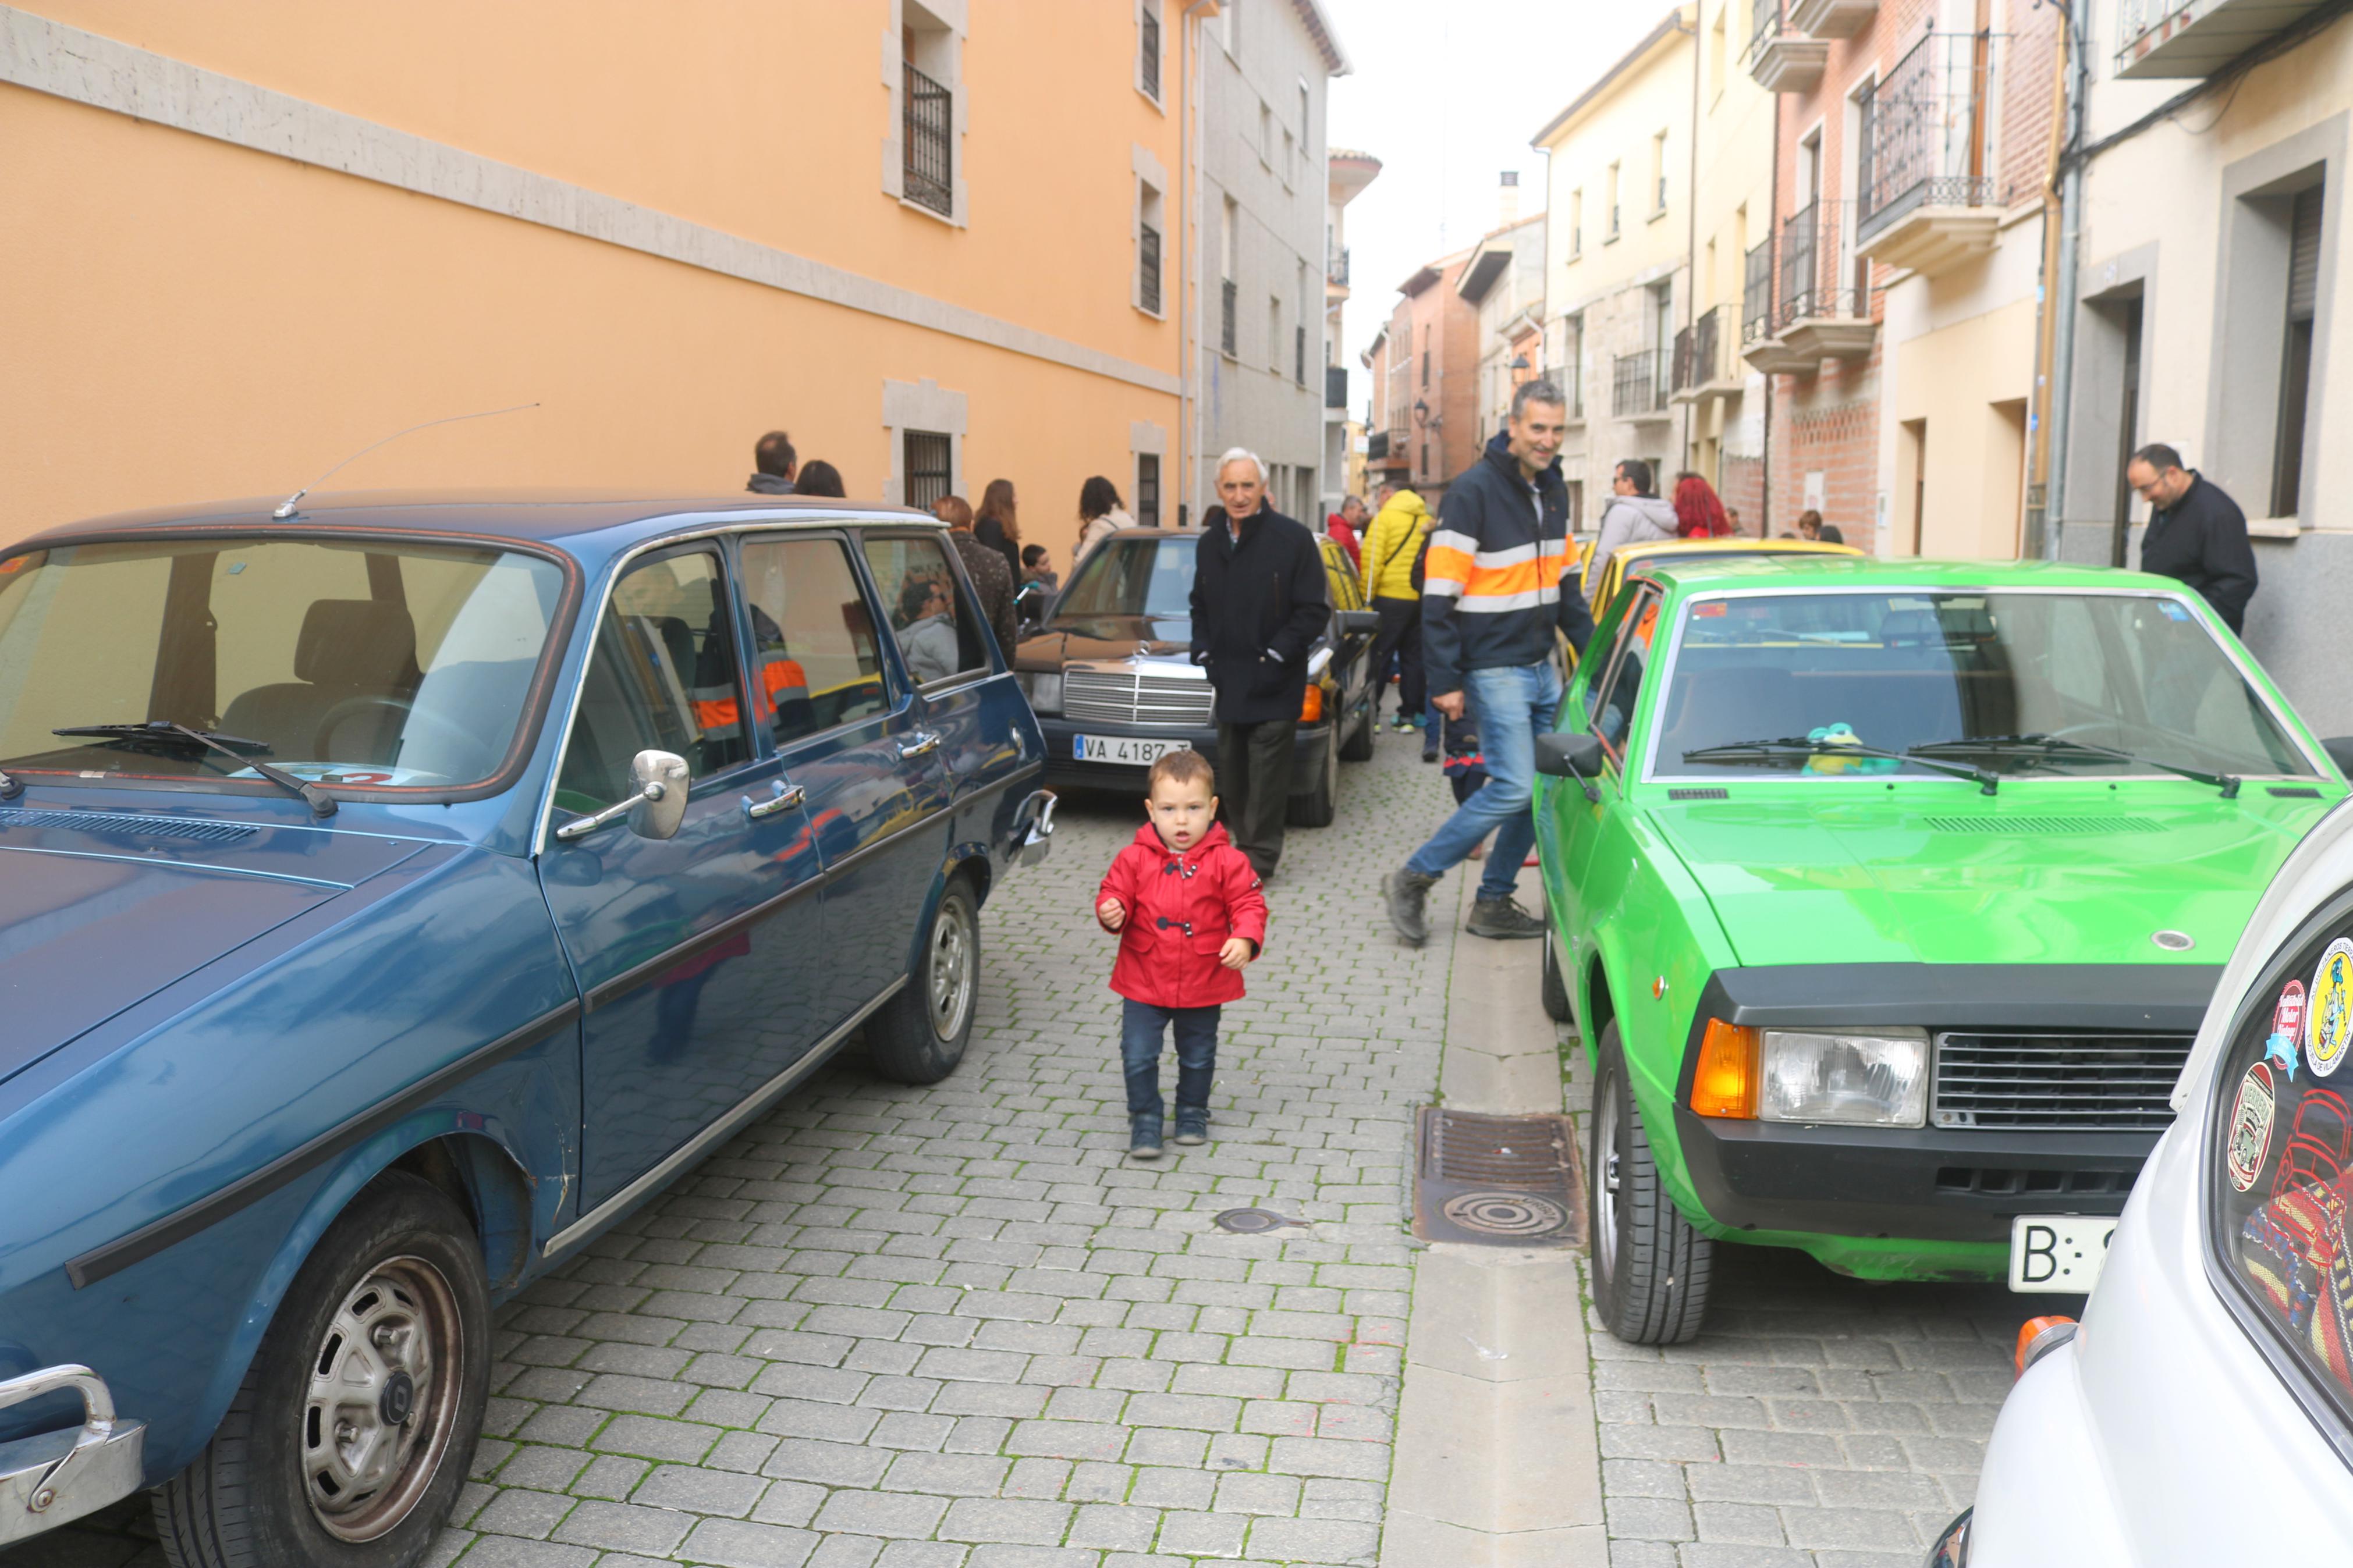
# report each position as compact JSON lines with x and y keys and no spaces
{"x":247,"y":243}
{"x":1618,"y":236}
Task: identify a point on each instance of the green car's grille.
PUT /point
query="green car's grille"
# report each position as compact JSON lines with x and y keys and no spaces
{"x":2082,"y":1082}
{"x":2041,"y":825}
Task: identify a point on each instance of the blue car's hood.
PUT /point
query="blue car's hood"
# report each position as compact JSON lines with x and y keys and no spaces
{"x":99,"y":912}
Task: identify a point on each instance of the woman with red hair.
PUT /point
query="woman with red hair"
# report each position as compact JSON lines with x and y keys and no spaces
{"x":1699,"y":514}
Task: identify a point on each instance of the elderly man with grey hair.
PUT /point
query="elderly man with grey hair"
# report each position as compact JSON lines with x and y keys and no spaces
{"x":1258,"y":603}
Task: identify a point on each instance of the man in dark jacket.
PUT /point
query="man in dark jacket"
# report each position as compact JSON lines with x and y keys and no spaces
{"x":2196,"y":533}
{"x":1495,"y":587}
{"x":774,"y":463}
{"x":1259,"y":600}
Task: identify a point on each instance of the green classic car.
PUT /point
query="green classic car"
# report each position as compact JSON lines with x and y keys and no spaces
{"x":1887,"y":897}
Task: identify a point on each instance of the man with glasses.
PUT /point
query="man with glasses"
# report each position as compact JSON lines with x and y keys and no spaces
{"x":2196,"y":533}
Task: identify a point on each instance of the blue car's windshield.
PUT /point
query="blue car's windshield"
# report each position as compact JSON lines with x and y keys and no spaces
{"x":1151,"y":576}
{"x":378,"y":664}
{"x":2017,"y":682}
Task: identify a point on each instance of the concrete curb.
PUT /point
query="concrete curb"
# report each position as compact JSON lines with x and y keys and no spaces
{"x":1498,"y":1457}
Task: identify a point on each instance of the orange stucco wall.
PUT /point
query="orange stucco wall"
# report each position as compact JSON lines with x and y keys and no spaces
{"x":190,"y":319}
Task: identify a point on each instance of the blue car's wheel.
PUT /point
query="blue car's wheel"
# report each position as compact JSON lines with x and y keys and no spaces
{"x":356,"y":1425}
{"x":919,"y":1035}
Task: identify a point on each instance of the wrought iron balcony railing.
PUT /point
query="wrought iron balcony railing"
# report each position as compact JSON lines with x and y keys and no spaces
{"x":1926,"y":131}
{"x":1335,"y":387}
{"x":1637,"y":384}
{"x":929,"y":131}
{"x":1335,"y":267}
{"x":1821,"y":275}
{"x":1700,"y":356}
{"x":1757,"y":294}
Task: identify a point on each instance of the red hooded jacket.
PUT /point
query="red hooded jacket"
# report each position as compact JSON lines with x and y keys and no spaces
{"x":1181,"y":908}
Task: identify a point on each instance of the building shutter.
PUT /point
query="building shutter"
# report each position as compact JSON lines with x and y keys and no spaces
{"x":2304,"y":256}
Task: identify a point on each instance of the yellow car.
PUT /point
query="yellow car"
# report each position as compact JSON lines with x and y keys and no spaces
{"x":1630,"y":555}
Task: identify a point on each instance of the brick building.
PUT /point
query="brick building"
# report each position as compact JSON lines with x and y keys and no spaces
{"x":1424,"y":364}
{"x":1895,"y":296}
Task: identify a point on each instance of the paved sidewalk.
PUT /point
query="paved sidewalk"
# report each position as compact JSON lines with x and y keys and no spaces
{"x":955,"y":1327}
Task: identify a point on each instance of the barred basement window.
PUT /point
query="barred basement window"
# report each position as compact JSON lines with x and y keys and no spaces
{"x":928,"y":467}
{"x":929,"y":131}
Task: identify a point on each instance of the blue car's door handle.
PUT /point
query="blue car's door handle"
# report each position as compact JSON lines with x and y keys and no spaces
{"x":923,"y":741}
{"x":784,"y":799}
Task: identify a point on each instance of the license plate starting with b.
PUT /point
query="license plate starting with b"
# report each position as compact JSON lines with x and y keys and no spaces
{"x":2058,"y":1253}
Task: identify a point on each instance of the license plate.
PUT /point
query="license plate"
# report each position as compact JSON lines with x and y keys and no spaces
{"x":1128,"y":748}
{"x":2058,"y":1252}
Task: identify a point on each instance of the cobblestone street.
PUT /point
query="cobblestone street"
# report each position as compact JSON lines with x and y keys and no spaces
{"x":955,"y":1327}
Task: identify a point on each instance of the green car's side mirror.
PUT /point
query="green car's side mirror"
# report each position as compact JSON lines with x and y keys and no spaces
{"x":1571,"y":755}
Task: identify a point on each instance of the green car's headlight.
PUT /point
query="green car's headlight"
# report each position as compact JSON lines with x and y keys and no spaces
{"x":1877,"y":1078}
{"x":1043,"y":687}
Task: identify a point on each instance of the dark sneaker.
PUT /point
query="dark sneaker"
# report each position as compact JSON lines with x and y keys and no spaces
{"x":1401,"y":724}
{"x":1502,"y":919}
{"x":1144,"y":1138}
{"x":1430,"y":749}
{"x":1405,"y":890}
{"x":1192,"y":1126}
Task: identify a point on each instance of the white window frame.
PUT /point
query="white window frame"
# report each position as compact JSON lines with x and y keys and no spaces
{"x":1152,"y":8}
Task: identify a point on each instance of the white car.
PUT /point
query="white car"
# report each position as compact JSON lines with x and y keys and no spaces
{"x":2202,"y":1413}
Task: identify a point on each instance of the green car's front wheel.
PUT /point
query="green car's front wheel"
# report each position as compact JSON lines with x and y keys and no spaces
{"x":1650,"y":1268}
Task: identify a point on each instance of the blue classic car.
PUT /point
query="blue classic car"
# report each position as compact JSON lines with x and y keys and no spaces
{"x":395,"y":892}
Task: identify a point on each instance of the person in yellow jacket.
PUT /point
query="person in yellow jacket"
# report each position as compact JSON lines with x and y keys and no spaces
{"x":1392,"y":553}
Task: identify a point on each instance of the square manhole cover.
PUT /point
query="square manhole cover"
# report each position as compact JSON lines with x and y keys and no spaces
{"x":1499,"y":1181}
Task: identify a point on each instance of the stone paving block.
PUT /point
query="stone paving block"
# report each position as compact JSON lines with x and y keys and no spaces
{"x":695,"y":1490}
{"x":827,"y":1464}
{"x":1867,"y":1529}
{"x":947,"y":1475}
{"x":736,"y":1543}
{"x":624,"y":1527}
{"x":511,"y":1551}
{"x":518,"y":1511}
{"x":1017,"y":1520}
{"x":887,"y":1514}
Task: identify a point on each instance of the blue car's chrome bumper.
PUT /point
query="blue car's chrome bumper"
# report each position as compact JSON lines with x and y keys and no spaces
{"x":48,"y":1479}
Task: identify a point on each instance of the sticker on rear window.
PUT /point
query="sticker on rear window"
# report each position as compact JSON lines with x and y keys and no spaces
{"x":2287,"y":1028}
{"x":2252,"y":1115}
{"x":2174,"y":609}
{"x":2328,"y":1027}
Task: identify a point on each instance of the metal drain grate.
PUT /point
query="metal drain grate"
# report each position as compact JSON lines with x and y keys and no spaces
{"x":1501,"y":1180}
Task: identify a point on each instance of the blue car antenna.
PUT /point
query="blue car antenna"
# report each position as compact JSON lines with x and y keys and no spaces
{"x":286,"y":508}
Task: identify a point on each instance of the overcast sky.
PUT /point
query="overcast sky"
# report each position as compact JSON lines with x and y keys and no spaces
{"x":1446,"y":94}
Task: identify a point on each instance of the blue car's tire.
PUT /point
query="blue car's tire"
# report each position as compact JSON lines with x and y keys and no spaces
{"x":1650,"y":1268}
{"x":355,"y":1425}
{"x":919,"y":1035}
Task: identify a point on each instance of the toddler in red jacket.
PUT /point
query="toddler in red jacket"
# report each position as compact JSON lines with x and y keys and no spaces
{"x":1189,"y":915}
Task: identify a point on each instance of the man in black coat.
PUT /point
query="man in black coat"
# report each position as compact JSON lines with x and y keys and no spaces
{"x":1259,"y":600}
{"x":2196,"y":533}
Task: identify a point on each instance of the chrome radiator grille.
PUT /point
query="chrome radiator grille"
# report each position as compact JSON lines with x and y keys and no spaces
{"x":2110,"y":1083}
{"x":1115,"y":697}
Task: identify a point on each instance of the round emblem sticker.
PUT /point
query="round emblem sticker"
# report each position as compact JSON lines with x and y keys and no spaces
{"x":2329,"y":1012}
{"x":2250,"y":1140}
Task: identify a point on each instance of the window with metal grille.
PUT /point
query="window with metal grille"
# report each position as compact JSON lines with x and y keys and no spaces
{"x":1147,"y":281}
{"x":928,"y":467}
{"x":1147,"y":489}
{"x":1231,"y":297}
{"x":928,"y":133}
{"x":1299,"y":354}
{"x":1149,"y":49}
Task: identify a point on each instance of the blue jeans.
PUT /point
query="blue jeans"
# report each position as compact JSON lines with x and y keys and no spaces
{"x":1142,"y":1027}
{"x":1513,"y":703}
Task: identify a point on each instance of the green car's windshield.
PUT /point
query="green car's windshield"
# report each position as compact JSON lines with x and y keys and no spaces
{"x":1151,"y":576}
{"x":375,"y":664}
{"x":2047,"y":683}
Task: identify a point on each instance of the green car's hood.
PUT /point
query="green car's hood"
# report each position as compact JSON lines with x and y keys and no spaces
{"x":2052,"y":873}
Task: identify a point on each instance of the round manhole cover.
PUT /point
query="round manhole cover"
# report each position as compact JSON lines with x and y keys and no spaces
{"x":1250,"y":1222}
{"x":1506,"y":1214}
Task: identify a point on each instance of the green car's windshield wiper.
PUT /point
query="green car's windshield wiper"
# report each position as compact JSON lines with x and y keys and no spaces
{"x":2054,"y":745}
{"x":1785,"y":746}
{"x":169,"y":735}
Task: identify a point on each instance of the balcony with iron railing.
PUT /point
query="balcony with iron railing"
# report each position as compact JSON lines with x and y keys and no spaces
{"x":1705,"y":366}
{"x":1926,"y":197}
{"x":1831,"y":18}
{"x":1757,"y":294}
{"x":1638,"y":384}
{"x":1335,"y":267}
{"x":1335,"y":387}
{"x":1781,"y":57}
{"x":2175,"y":38}
{"x":1808,"y":297}
{"x":928,"y":178}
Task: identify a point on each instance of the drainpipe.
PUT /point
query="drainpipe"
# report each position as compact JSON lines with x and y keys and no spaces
{"x":2062,"y":294}
{"x":1772,"y":260}
{"x":1188,"y":136}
